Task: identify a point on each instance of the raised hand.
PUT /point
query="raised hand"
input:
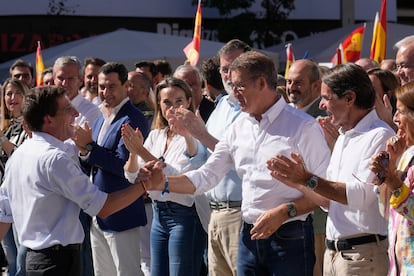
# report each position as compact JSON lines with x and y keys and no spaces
{"x":191,"y":122}
{"x":82,"y":136}
{"x":133,"y":139}
{"x":291,"y":172}
{"x":329,"y":130}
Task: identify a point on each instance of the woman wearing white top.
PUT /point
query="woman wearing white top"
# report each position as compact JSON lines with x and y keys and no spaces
{"x":177,"y":235}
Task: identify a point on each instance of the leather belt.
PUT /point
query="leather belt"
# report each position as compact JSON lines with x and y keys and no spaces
{"x":58,"y":247}
{"x":347,"y":244}
{"x":219,"y":205}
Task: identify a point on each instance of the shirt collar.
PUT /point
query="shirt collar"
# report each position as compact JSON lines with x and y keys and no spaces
{"x":116,"y":109}
{"x":39,"y":135}
{"x":273,"y":112}
{"x":232,"y":101}
{"x":77,"y":100}
{"x":363,"y":125}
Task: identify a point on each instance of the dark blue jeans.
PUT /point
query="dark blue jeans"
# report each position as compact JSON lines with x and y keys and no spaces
{"x":289,"y":251}
{"x":177,"y":240}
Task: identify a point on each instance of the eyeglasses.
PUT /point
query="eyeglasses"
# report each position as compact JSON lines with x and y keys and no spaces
{"x":224,"y":69}
{"x":403,"y":66}
{"x":239,"y":86}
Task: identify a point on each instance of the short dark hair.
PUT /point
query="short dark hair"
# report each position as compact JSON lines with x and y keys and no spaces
{"x":21,"y":63}
{"x":233,"y":45}
{"x":351,"y":77}
{"x":115,"y":67}
{"x":210,"y":71}
{"x":146,"y":63}
{"x":94,"y":61}
{"x":41,"y":101}
{"x":47,"y":71}
{"x":162,"y":66}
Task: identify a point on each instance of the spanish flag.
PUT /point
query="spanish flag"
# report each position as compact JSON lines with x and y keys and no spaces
{"x":379,"y":36}
{"x":290,"y":58}
{"x":192,"y":50}
{"x":39,"y":65}
{"x":352,"y":45}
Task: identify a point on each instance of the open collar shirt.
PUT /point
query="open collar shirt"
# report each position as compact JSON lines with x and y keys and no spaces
{"x":248,"y":144}
{"x":43,"y":192}
{"x":349,"y":164}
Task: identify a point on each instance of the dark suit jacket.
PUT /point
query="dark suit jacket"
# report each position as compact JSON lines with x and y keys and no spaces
{"x":205,"y":108}
{"x":314,"y":110}
{"x":106,"y":163}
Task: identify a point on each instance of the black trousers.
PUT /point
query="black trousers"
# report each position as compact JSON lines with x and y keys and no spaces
{"x":55,"y":260}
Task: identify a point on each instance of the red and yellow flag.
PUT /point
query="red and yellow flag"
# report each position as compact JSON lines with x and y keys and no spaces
{"x":379,"y":36}
{"x":39,"y":65}
{"x":290,"y":58}
{"x":192,"y":50}
{"x":352,"y":45}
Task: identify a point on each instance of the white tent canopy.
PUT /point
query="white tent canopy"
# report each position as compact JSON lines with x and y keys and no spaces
{"x":127,"y":47}
{"x":124,"y":46}
{"x":322,"y":46}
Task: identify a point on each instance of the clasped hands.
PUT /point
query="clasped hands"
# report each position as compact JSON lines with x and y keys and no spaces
{"x":152,"y":176}
{"x":383,"y":164}
{"x":82,"y":136}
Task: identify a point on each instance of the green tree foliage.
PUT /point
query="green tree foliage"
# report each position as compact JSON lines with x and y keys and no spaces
{"x":261,"y":29}
{"x":60,"y":7}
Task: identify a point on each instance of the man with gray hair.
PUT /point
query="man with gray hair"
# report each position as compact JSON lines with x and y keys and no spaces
{"x":404,"y":59}
{"x":68,"y":73}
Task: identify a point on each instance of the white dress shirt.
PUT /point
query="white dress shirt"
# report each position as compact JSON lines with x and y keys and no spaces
{"x":350,"y":164}
{"x":43,"y":191}
{"x":249,"y":144}
{"x":177,"y":161}
{"x":88,"y":112}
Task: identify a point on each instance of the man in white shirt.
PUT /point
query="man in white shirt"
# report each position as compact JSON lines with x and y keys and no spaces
{"x":355,"y":230}
{"x":44,"y":188}
{"x":67,"y":72}
{"x":277,"y":234}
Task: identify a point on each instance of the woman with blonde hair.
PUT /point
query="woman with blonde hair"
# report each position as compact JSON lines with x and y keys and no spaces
{"x":177,"y":235}
{"x":394,"y":169}
{"x":12,"y":135}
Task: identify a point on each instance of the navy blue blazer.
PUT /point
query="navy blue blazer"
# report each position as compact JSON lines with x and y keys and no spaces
{"x":106,"y":163}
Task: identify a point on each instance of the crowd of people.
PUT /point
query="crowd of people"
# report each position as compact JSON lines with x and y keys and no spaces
{"x":219,"y":170}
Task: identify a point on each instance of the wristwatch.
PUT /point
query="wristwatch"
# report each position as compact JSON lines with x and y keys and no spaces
{"x":312,"y":182}
{"x":89,"y":147}
{"x":292,"y":212}
{"x":397,"y":192}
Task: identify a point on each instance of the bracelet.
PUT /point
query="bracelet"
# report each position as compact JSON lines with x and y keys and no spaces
{"x":165,"y":191}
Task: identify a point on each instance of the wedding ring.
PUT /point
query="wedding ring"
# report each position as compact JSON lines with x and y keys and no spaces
{"x":394,"y":140}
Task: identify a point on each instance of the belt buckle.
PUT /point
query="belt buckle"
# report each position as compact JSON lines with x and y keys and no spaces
{"x":222,"y":205}
{"x":214,"y":205}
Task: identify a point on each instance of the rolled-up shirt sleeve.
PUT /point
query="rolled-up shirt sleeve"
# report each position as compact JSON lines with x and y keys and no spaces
{"x":5,"y":210}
